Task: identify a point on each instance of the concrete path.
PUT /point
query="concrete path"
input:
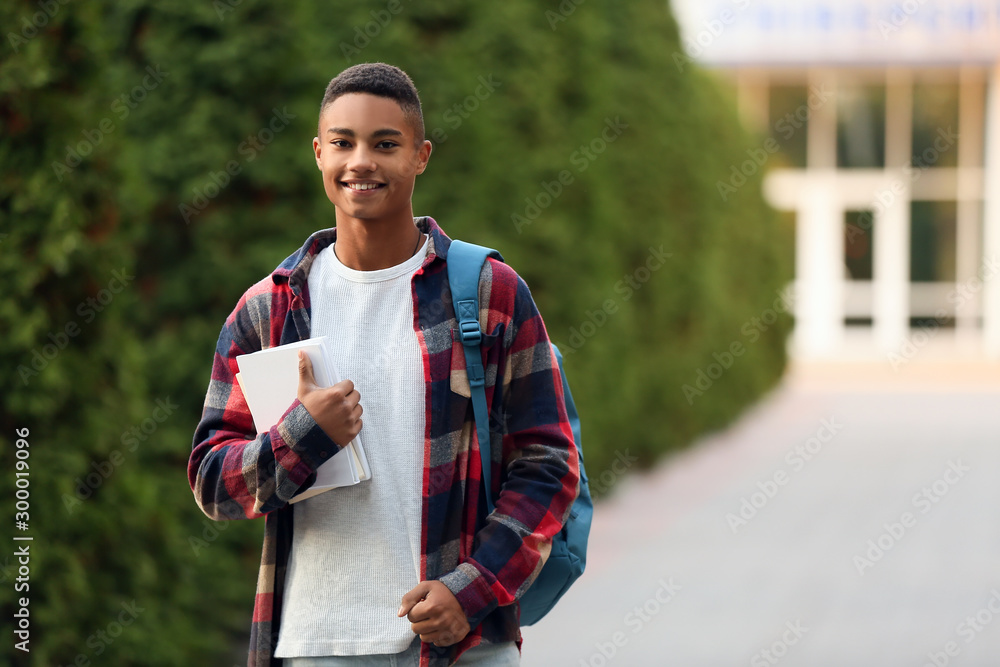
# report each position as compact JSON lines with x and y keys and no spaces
{"x":851,"y":519}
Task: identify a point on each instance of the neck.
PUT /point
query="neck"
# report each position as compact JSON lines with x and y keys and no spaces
{"x":370,"y":245}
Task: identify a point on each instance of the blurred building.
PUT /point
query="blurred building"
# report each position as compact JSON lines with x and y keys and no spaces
{"x":880,"y":133}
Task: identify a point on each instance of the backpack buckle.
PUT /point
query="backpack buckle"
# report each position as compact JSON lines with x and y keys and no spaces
{"x":471,"y":334}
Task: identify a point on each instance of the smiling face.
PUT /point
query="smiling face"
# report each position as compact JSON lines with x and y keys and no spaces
{"x":369,"y":158}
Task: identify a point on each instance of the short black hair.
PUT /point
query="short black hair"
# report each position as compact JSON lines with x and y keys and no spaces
{"x":382,"y":80}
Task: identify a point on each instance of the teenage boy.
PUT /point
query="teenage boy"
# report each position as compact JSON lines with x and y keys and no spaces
{"x":414,"y":541}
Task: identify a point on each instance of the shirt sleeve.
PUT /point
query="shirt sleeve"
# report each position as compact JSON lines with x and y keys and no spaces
{"x":235,"y":472}
{"x":539,"y":459}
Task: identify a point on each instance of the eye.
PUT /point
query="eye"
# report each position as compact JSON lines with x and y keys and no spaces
{"x":340,"y":143}
{"x":386,"y":144}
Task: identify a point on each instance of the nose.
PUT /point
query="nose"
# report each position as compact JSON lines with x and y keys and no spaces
{"x":362,"y":160}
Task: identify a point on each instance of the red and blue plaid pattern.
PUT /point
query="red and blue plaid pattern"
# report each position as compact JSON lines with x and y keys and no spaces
{"x":236,"y":473}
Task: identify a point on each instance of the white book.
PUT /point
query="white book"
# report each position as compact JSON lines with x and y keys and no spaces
{"x":269,"y":380}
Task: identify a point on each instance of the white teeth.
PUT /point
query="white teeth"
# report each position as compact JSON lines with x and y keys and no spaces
{"x":362,"y":186}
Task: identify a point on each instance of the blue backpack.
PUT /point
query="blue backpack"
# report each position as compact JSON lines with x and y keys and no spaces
{"x":569,"y":548}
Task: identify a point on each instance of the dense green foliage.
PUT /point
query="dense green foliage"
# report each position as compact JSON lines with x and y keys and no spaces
{"x":118,"y":122}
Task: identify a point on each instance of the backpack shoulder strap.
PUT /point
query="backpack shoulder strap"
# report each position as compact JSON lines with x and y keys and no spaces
{"x":465,"y":264}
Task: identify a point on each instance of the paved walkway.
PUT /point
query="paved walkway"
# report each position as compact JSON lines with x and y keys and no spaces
{"x":852,"y":519}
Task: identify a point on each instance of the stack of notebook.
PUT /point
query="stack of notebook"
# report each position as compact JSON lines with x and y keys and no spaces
{"x":270,"y":381}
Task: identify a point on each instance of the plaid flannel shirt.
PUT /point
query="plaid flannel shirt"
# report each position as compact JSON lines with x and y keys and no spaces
{"x":487,"y":562}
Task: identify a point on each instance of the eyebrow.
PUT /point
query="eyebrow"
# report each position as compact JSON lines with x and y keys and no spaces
{"x":347,"y":132}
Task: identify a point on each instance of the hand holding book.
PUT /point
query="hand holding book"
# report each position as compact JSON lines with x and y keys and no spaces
{"x":273,"y":378}
{"x":336,"y":409}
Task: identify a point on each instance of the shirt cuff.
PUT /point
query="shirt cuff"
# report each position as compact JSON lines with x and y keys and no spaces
{"x":474,"y":593}
{"x":307,"y":440}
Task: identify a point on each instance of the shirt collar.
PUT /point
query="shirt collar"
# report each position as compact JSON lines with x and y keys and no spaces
{"x":295,"y":269}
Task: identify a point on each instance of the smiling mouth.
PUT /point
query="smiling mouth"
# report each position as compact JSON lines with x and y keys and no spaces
{"x":362,"y":187}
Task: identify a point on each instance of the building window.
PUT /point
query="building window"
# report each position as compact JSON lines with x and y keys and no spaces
{"x":789,"y":124}
{"x":933,"y":236}
{"x":858,"y":244}
{"x":861,"y":127}
{"x":935,"y":124}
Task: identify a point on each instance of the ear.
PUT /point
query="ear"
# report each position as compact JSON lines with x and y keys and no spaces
{"x":318,"y":149}
{"x":423,"y":155}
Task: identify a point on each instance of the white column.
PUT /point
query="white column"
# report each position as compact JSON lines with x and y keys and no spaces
{"x":891,"y":272}
{"x":819,"y":271}
{"x":819,"y":235}
{"x":991,"y":217}
{"x":971,"y":108}
{"x":891,"y":261}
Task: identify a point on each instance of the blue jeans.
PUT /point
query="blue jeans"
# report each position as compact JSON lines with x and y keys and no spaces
{"x":490,"y":655}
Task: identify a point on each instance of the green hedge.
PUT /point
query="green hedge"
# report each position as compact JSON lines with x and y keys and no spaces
{"x":565,"y":136}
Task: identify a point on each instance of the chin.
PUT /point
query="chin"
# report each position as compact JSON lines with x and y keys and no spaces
{"x":360,"y":212}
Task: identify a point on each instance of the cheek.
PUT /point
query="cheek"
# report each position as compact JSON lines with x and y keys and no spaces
{"x":329,"y":176}
{"x":331,"y":185}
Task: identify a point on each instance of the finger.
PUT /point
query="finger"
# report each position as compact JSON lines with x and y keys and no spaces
{"x":419,"y":613}
{"x":346,"y":386}
{"x":438,"y":639}
{"x":353,"y":399}
{"x":306,"y":370}
{"x":429,"y":627}
{"x":411,"y":598}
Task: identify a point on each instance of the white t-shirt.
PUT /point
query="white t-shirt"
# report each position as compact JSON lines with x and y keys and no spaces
{"x":356,"y":549}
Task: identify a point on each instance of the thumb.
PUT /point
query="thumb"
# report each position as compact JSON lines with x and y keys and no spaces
{"x":411,"y":599}
{"x":306,"y":376}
